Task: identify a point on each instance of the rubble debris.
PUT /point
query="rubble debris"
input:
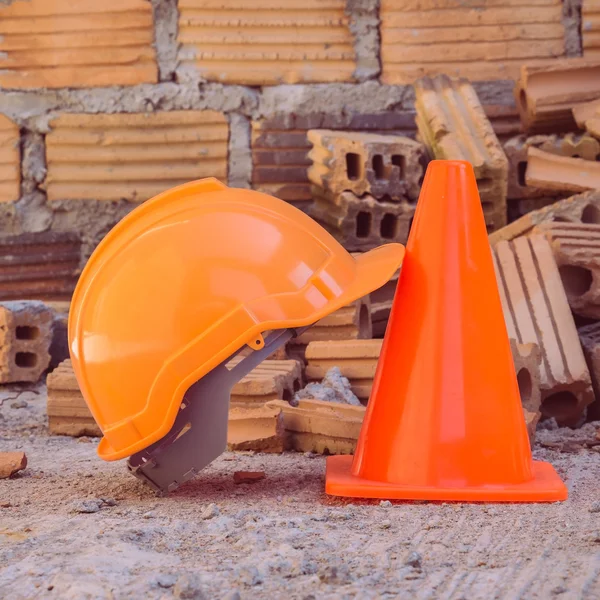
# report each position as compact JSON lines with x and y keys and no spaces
{"x":25,"y":335}
{"x":452,"y":124}
{"x":210,"y":511}
{"x":356,"y":360}
{"x":384,"y":166}
{"x":551,"y":172}
{"x":537,"y":311}
{"x":255,"y":428}
{"x":350,"y":322}
{"x":92,"y":505}
{"x":333,"y":388}
{"x":11,"y":463}
{"x":581,"y":208}
{"x":188,"y":587}
{"x":547,"y":92}
{"x":248,"y":476}
{"x":39,"y":266}
{"x":321,"y":427}
{"x":362,"y":223}
{"x":590,"y":341}
{"x":528,"y":360}
{"x":569,"y":145}
{"x":576,"y":249}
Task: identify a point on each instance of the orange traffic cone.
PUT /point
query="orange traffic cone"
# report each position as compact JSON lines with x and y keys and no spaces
{"x":444,"y":421}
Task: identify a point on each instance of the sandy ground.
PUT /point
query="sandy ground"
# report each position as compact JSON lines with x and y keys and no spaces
{"x":74,"y":527}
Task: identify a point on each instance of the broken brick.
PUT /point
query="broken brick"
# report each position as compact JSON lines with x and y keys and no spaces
{"x":65,"y":44}
{"x":536,"y":311}
{"x":582,"y":208}
{"x":362,"y":223}
{"x":321,"y":427}
{"x":527,"y":359}
{"x":586,"y":116}
{"x":590,"y":341}
{"x":551,"y":172}
{"x":453,"y":126}
{"x":576,"y":249}
{"x":10,"y":157}
{"x":25,"y":336}
{"x":569,"y":145}
{"x":133,"y":156}
{"x":259,"y":429}
{"x":356,"y":359}
{"x":384,"y":166}
{"x":11,"y":463}
{"x":547,"y":92}
{"x":39,"y":266}
{"x":265,"y":42}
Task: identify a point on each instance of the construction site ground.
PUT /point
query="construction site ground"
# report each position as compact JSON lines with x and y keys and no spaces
{"x":74,"y":527}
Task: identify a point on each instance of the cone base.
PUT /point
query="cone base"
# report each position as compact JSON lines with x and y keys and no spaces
{"x":546,"y":486}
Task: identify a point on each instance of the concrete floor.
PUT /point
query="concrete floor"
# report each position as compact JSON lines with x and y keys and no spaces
{"x":281,"y":537}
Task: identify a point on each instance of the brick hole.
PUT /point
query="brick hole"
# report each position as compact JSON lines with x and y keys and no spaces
{"x":560,"y":405}
{"x":378,"y":166}
{"x":353,"y":169}
{"x":26,"y":332}
{"x":399,"y":161}
{"x":525,"y":385}
{"x":598,"y":157}
{"x":575,"y":156}
{"x":557,"y":219}
{"x":364,"y":321}
{"x":523,"y":99}
{"x":287,"y":395}
{"x":363,"y":224}
{"x":485,"y":184}
{"x":590,"y":214}
{"x":25,"y":360}
{"x":389,"y":226}
{"x":521,"y":172}
{"x":576,"y":280}
{"x":296,"y":385}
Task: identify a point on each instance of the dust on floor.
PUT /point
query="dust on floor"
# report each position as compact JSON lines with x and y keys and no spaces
{"x":74,"y":527}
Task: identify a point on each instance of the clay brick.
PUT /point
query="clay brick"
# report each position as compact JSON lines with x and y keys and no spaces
{"x":453,"y":126}
{"x":590,"y":28}
{"x":381,"y":305}
{"x":528,"y":360}
{"x":68,"y":413}
{"x":362,"y":223}
{"x":586,"y":112}
{"x":546,"y":93}
{"x":384,"y":166}
{"x":582,"y":208}
{"x":521,"y":206}
{"x":350,"y":322}
{"x":590,"y":341}
{"x":25,"y":335}
{"x":133,"y":156}
{"x":356,"y":359}
{"x":537,"y":311}
{"x":11,"y":463}
{"x":260,"y":429}
{"x":272,"y":379}
{"x":266,"y":42}
{"x":10,"y":158}
{"x":322,"y":427}
{"x":39,"y":266}
{"x":61,"y":43}
{"x":569,"y":145}
{"x":576,"y":249}
{"x":482,"y":39}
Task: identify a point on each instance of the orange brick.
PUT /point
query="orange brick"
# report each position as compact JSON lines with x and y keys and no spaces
{"x":133,"y":156}
{"x":481,"y":39}
{"x":453,"y":126}
{"x":260,"y":429}
{"x":61,"y":43}
{"x":11,"y":463}
{"x":590,"y":28}
{"x":25,"y":336}
{"x":546,"y":93}
{"x":10,"y":159}
{"x":551,"y":172}
{"x":536,"y":311}
{"x":266,"y":42}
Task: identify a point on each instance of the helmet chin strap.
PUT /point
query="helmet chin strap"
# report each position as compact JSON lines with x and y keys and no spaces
{"x":199,"y":434}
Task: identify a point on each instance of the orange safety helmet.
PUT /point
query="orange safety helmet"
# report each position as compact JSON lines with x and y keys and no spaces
{"x":184,"y":282}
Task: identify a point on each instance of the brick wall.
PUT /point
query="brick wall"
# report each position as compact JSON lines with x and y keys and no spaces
{"x":104,"y":104}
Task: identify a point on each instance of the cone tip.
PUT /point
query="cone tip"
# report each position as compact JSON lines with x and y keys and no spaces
{"x":438,"y":167}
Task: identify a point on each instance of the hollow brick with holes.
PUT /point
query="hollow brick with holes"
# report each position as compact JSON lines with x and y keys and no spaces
{"x":536,"y":311}
{"x":362,"y":223}
{"x":388,"y":167}
{"x":25,"y":337}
